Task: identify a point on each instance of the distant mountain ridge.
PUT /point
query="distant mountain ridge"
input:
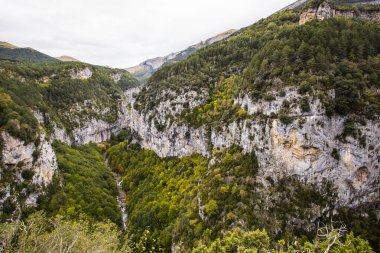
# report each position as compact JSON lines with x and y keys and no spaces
{"x":145,"y":69}
{"x":7,"y":45}
{"x":66,"y":58}
{"x":12,"y":52}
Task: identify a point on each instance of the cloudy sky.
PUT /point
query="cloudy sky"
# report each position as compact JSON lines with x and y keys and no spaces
{"x":122,"y":33}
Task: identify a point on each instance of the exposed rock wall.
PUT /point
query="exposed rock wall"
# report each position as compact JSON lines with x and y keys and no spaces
{"x":326,"y":10}
{"x":19,"y":158}
{"x":83,"y":74}
{"x":303,"y":148}
{"x":306,"y":151}
{"x":175,"y":140}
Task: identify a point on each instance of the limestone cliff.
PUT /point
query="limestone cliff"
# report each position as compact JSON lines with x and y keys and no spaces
{"x":304,"y":148}
{"x":27,"y":170}
{"x":327,"y":10}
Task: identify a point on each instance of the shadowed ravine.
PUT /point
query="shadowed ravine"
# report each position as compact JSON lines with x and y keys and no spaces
{"x":121,"y":197}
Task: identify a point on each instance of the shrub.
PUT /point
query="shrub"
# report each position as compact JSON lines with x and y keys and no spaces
{"x":304,"y":104}
{"x":285,"y":118}
{"x":335,"y":154}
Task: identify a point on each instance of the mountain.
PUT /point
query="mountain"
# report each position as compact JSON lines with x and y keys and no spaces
{"x":66,"y":58}
{"x":145,"y":69}
{"x":7,"y":45}
{"x":266,"y":141}
{"x":11,"y":52}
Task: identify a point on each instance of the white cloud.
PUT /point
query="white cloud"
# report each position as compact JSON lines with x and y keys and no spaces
{"x":122,"y":33}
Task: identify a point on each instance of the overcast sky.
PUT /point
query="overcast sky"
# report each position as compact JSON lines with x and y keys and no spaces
{"x":123,"y":33}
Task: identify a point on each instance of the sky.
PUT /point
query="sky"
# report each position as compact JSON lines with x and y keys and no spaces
{"x":123,"y":33}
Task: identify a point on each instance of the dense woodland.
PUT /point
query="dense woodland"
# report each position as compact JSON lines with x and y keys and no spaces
{"x":83,"y":186}
{"x":24,"y":54}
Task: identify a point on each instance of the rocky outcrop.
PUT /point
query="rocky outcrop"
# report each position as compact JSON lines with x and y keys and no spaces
{"x":92,"y":131}
{"x":15,"y":152}
{"x":173,"y":140}
{"x":309,"y":148}
{"x":306,"y":152}
{"x":116,"y":77}
{"x":46,"y":163}
{"x":327,"y":10}
{"x":322,"y":12}
{"x":32,"y":167}
{"x":82,"y":74}
{"x":95,"y":131}
{"x":303,"y":149}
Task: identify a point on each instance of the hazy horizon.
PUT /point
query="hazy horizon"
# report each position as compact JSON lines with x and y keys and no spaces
{"x":123,"y":33}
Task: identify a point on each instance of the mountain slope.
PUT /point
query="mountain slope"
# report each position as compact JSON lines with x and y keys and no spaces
{"x":145,"y":69}
{"x":74,"y":103}
{"x":11,"y":52}
{"x":7,"y":45}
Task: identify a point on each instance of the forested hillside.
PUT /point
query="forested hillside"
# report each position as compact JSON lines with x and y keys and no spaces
{"x":274,"y":54}
{"x":11,"y":52}
{"x":53,"y":89}
{"x":43,"y":102}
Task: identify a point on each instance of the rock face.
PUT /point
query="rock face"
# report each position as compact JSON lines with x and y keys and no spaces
{"x":46,"y":163}
{"x":173,"y":140}
{"x":31,"y":165}
{"x":93,"y":129}
{"x":15,"y":152}
{"x":306,"y":151}
{"x":115,"y":76}
{"x":84,"y":73}
{"x":309,"y":148}
{"x":325,"y":10}
{"x":304,"y":148}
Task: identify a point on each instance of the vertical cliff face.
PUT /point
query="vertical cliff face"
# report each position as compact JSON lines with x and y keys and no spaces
{"x":326,"y":10}
{"x":172,"y":139}
{"x":311,"y":147}
{"x":26,"y":170}
{"x":307,"y":151}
